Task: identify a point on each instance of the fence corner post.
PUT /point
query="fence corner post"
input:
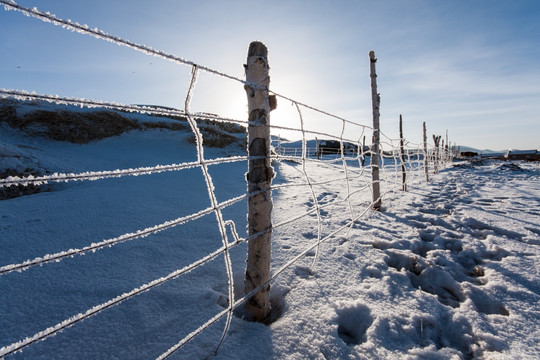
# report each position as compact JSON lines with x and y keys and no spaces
{"x":259,"y":178}
{"x":375,"y":101}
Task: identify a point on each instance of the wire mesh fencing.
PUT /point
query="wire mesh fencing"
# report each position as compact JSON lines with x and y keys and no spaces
{"x":335,"y":175}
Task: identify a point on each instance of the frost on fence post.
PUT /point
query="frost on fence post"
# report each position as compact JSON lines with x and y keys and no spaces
{"x":426,"y":157}
{"x":375,"y":100}
{"x":436,"y":141}
{"x":259,"y":178}
{"x":402,"y":150}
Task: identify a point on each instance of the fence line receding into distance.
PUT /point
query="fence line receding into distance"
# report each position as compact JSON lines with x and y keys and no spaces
{"x":414,"y":159}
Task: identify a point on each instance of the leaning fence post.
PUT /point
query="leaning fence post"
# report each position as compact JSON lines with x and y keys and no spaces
{"x":375,"y":101}
{"x":426,"y":158}
{"x":401,"y":147}
{"x":259,"y":178}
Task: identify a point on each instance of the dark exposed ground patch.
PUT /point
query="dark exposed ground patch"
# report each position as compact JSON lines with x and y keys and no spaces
{"x":19,"y":190}
{"x":81,"y":127}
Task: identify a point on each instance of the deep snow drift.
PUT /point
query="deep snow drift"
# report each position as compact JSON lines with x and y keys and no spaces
{"x":449,"y":269}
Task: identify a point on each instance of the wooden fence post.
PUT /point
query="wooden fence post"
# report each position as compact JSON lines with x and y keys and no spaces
{"x":447,"y":148}
{"x":426,"y":157}
{"x":441,"y":152}
{"x":437,"y":141}
{"x":401,"y":146}
{"x":363,"y":148}
{"x":259,"y":178}
{"x":375,"y":101}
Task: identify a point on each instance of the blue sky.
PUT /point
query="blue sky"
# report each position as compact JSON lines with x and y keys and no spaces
{"x":471,"y":67}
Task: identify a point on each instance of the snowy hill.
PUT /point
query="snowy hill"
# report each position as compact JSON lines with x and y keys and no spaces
{"x":74,"y":125}
{"x":449,"y":270}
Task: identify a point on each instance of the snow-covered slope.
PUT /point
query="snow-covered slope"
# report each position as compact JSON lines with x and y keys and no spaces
{"x":449,"y":269}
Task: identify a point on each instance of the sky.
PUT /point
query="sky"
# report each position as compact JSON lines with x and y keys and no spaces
{"x":469,"y":67}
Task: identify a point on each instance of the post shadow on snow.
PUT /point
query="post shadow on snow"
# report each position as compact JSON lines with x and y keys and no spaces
{"x":534,"y":287}
{"x":277,"y":299}
{"x":241,"y":318}
{"x":506,"y":214}
{"x":473,"y":226}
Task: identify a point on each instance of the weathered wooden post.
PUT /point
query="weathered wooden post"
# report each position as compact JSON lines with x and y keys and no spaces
{"x":441,"y":152}
{"x":375,"y":101}
{"x":259,"y":178}
{"x":401,"y":147}
{"x":437,"y":141}
{"x":426,"y":157}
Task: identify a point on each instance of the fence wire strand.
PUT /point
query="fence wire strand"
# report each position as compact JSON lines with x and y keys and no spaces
{"x":211,"y":194}
{"x":99,"y":34}
{"x":308,"y":181}
{"x":390,"y":181}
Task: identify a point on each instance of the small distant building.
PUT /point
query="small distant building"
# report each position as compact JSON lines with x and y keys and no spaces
{"x":468,"y":154}
{"x":527,"y":155}
{"x":334,"y":147}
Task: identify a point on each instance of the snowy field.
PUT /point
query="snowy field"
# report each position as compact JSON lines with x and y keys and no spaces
{"x":448,"y":270}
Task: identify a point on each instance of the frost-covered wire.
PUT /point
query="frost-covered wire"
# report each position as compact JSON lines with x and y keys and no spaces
{"x":42,"y":335}
{"x":92,"y":103}
{"x":240,"y":301}
{"x":390,"y":185}
{"x":89,"y":103}
{"x":99,"y":34}
{"x":211,"y":194}
{"x":99,"y":175}
{"x":56,"y":257}
{"x":308,"y":180}
{"x":344,"y":161}
{"x":295,"y":102}
{"x":275,"y":274}
{"x":193,"y":334}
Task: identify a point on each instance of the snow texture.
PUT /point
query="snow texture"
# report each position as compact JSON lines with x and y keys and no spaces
{"x":447,"y":270}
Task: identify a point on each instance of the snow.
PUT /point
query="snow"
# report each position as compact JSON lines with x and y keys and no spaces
{"x":448,"y":270}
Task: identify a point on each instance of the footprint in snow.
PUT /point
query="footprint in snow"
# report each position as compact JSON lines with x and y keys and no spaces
{"x":353,"y":322}
{"x":487,"y":304}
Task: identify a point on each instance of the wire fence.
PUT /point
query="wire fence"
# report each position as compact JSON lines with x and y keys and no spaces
{"x":350,"y":163}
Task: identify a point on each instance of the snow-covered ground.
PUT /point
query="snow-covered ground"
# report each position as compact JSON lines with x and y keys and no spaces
{"x":448,"y":270}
